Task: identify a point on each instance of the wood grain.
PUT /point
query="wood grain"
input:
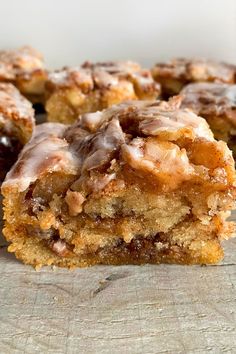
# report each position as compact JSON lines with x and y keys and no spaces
{"x":129,"y":309}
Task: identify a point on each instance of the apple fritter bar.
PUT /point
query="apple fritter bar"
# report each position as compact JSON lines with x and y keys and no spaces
{"x":173,"y":75}
{"x":139,"y":182}
{"x":216,"y":102}
{"x":92,"y":87}
{"x":16,"y":125}
{"x":24,"y":67}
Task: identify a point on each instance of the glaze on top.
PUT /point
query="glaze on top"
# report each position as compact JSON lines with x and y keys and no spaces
{"x":13,"y":104}
{"x":211,"y":99}
{"x":16,"y":113}
{"x":18,"y":62}
{"x":190,"y":70}
{"x":139,"y":134}
{"x":103,"y":75}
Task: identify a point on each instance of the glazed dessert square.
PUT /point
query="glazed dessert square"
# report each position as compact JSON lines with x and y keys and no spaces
{"x":136,"y":183}
{"x":216,"y":102}
{"x":92,"y":87}
{"x":24,"y":67}
{"x":176,"y":73}
{"x":16,"y":125}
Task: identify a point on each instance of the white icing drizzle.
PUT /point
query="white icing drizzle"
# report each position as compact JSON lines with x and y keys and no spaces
{"x":70,"y":76}
{"x":174,"y":122}
{"x":92,"y":121}
{"x":211,"y":99}
{"x":104,"y":79}
{"x":195,"y":70}
{"x":104,"y":75}
{"x":45,"y":152}
{"x":13,"y":104}
{"x":95,"y":140}
{"x":163,"y":159}
{"x":19,"y":61}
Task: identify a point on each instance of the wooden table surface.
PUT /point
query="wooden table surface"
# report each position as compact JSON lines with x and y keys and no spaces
{"x":128,"y":309}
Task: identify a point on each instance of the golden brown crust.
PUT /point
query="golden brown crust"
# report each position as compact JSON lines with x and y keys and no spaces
{"x":139,"y":251}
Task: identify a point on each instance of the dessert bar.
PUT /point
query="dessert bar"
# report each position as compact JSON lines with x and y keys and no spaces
{"x":92,"y":87}
{"x":16,"y":125}
{"x":24,"y":67}
{"x":139,"y":182}
{"x":216,"y":102}
{"x":176,"y":73}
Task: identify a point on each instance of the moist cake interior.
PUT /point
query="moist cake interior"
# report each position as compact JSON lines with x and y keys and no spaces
{"x":127,"y":224}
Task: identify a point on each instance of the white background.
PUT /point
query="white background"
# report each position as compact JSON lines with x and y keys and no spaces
{"x":70,"y":31}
